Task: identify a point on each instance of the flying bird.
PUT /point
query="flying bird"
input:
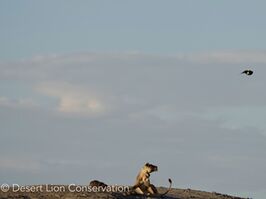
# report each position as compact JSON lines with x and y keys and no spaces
{"x":247,"y":72}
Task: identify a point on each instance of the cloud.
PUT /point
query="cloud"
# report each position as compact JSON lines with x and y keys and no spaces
{"x":18,"y":103}
{"x":240,"y":57}
{"x":94,"y":83}
{"x":60,"y":66}
{"x":72,"y":99}
{"x":236,"y":117}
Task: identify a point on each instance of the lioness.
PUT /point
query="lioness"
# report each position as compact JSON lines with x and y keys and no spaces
{"x":143,"y":184}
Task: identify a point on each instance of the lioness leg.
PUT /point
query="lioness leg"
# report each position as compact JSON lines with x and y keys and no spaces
{"x":152,"y":189}
{"x":138,"y":191}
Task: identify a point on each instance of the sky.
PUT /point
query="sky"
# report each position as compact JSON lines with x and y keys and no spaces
{"x":95,"y":89}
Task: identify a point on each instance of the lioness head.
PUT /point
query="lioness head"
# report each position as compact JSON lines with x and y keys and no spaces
{"x":150,"y":167}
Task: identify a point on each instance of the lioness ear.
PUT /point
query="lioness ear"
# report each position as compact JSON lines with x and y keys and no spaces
{"x":147,"y":164}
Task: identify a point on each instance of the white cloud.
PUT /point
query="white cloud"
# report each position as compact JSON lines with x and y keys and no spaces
{"x":73,"y":99}
{"x":147,"y":79}
{"x":76,"y":105}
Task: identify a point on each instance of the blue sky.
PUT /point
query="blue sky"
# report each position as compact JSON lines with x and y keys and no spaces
{"x":82,"y":81}
{"x":34,"y":28}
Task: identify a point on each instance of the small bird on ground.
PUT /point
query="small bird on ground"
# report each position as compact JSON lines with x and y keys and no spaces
{"x":247,"y":72}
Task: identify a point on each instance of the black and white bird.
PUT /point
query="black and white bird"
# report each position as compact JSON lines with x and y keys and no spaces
{"x":247,"y":72}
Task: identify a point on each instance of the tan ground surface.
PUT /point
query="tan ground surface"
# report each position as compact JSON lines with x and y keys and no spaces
{"x":67,"y":194}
